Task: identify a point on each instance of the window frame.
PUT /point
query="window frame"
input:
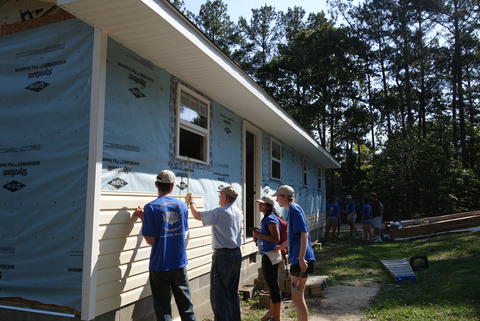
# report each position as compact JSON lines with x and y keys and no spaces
{"x":274,"y":141}
{"x":305,"y":171}
{"x":319,"y":177}
{"x":182,"y":124}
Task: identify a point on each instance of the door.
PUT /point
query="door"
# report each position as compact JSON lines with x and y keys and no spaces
{"x":252,"y":176}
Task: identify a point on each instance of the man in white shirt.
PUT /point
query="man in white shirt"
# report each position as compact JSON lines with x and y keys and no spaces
{"x":226,"y":222}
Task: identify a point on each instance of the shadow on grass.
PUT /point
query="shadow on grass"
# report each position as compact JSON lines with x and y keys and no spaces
{"x":448,"y":290}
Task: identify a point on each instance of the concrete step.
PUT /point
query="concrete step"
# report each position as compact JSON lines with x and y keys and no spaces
{"x":316,"y":285}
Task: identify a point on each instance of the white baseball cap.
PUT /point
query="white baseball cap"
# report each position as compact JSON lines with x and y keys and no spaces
{"x":166,"y":176}
{"x":284,"y":190}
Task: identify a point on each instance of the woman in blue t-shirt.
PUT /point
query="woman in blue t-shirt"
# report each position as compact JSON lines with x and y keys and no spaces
{"x":267,"y":238}
{"x":366,"y":213}
{"x":300,"y":251}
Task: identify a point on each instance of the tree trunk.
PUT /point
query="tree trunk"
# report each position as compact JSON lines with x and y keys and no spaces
{"x":422,"y":121}
{"x":457,"y":65}
{"x":406,"y":66}
{"x":472,"y":113}
{"x":370,"y":107}
{"x":332,"y":127}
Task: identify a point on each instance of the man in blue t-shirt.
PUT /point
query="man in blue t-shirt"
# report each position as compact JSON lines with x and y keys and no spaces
{"x":300,"y":251}
{"x":333,"y":216}
{"x":349,"y":209}
{"x":165,"y":228}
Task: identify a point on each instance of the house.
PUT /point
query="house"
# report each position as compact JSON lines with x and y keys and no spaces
{"x":96,"y":97}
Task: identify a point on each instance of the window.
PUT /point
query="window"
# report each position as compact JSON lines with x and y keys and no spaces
{"x":319,"y":178}
{"x":192,"y":125}
{"x":305,"y":171}
{"x":276,"y":159}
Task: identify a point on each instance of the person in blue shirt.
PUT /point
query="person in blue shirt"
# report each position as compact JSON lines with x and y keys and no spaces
{"x":165,"y":228}
{"x":349,"y":210}
{"x":366,"y":217}
{"x":333,"y":216}
{"x":340,"y":203}
{"x":300,"y":251}
{"x":227,"y":223}
{"x":267,"y":238}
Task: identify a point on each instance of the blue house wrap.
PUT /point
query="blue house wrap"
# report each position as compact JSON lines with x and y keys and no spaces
{"x":44,"y":123}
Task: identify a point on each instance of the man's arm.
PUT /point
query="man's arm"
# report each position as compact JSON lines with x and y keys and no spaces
{"x":303,"y":251}
{"x":193,"y":209}
{"x":139,"y":213}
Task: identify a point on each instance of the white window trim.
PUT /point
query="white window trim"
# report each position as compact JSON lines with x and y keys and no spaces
{"x":272,"y":140}
{"x":304,"y":171}
{"x":191,"y":127}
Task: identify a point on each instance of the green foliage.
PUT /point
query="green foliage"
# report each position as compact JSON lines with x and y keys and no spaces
{"x":393,"y":93}
{"x":214,"y":21}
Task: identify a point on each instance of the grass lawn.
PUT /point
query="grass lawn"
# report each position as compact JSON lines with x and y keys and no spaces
{"x":448,"y":290}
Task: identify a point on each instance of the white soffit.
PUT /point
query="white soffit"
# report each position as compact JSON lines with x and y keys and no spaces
{"x":159,"y":33}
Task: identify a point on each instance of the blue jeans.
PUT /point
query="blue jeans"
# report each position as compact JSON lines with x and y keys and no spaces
{"x":163,"y":283}
{"x":224,"y":279}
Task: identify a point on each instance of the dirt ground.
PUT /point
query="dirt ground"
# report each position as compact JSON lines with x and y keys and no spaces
{"x":339,"y":303}
{"x":342,"y":303}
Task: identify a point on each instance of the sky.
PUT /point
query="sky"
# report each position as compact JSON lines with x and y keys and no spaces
{"x":237,"y":8}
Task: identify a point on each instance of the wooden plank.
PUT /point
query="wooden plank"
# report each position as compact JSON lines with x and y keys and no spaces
{"x":116,"y":259}
{"x":34,"y":23}
{"x":435,"y":227}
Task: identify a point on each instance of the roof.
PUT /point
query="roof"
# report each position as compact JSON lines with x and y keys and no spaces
{"x":158,"y":32}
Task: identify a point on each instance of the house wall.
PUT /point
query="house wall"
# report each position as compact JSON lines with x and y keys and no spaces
{"x":44,"y":106}
{"x":139,"y":140}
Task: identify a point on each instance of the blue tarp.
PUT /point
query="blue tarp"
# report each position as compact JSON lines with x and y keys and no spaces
{"x":44,"y":105}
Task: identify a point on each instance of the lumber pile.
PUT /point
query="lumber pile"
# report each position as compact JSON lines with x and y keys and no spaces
{"x":436,"y":224}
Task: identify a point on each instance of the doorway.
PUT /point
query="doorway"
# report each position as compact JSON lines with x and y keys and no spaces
{"x":252,"y":176}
